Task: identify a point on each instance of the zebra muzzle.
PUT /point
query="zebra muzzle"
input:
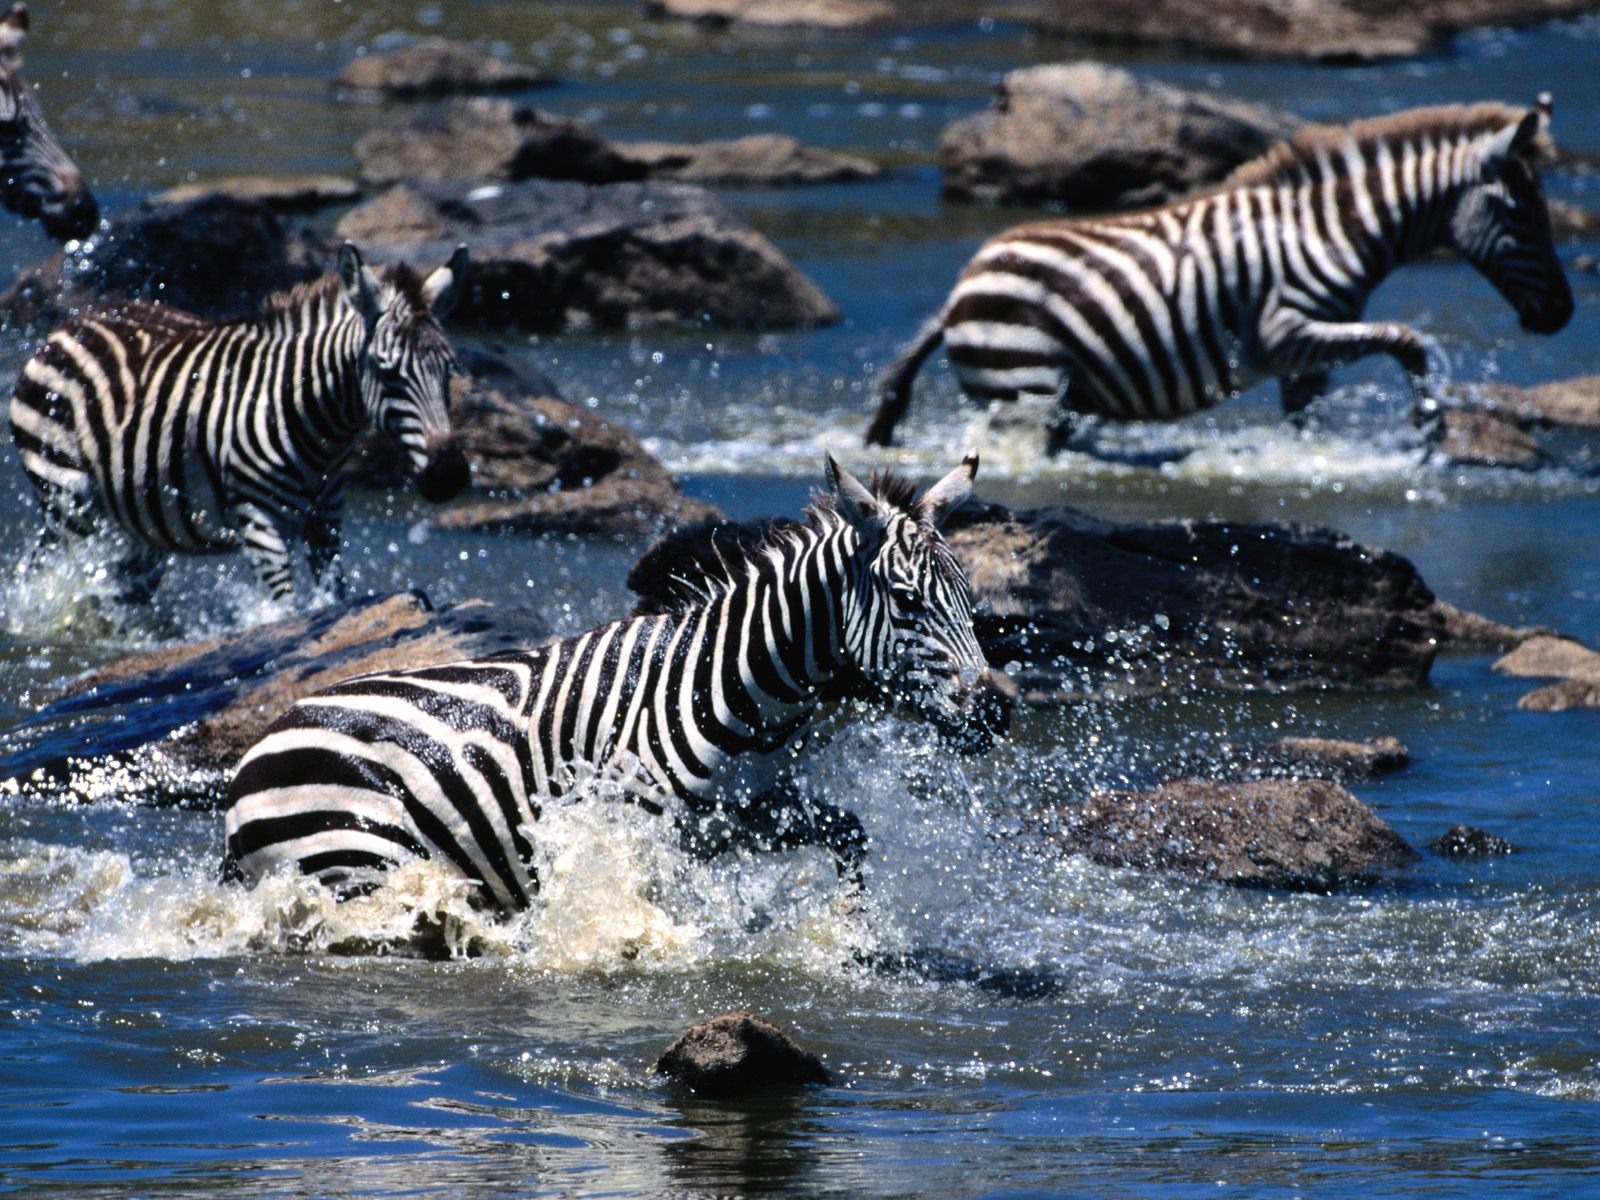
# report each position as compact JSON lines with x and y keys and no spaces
{"x":986,"y":711}
{"x":446,"y":474}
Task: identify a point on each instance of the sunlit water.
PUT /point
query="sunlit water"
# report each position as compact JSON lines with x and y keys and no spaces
{"x":162,"y":1034}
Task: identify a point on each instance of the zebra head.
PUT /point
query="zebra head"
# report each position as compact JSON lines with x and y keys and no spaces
{"x":1502,"y":226}
{"x":37,"y":179}
{"x":908,"y":608}
{"x":406,"y":362}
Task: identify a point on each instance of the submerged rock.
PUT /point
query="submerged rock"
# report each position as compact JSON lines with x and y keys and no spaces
{"x":1098,"y":138}
{"x":1300,"y":835}
{"x":1464,"y":841}
{"x":1074,"y":607}
{"x":737,"y":1054}
{"x":1574,"y":665}
{"x":552,"y":254}
{"x":432,"y":67}
{"x":1338,"y":759}
{"x":167,"y":726}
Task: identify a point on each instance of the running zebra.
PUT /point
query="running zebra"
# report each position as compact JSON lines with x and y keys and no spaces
{"x":1154,"y":315}
{"x":37,"y":179}
{"x":197,"y":437}
{"x":690,"y":706}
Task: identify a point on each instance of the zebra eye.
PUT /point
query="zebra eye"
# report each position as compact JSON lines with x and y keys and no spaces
{"x":907,"y":599}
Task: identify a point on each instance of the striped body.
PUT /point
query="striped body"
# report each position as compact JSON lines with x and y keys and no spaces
{"x":1155,"y":315}
{"x":37,"y":179}
{"x":197,"y":437}
{"x":686,"y":708}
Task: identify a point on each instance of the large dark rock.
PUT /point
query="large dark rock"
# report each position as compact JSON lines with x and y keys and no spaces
{"x":217,"y":256}
{"x":736,"y":1054}
{"x":1098,"y":138}
{"x":1075,"y":607}
{"x":168,"y":725}
{"x":433,"y":67}
{"x":1301,"y":835}
{"x":1574,"y":666}
{"x":550,"y":466}
{"x":482,"y":139}
{"x":555,"y":254}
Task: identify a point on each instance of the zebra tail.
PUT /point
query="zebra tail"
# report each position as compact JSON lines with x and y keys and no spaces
{"x":894,"y":385}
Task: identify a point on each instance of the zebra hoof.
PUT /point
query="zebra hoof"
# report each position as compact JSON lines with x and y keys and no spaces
{"x":446,"y":474}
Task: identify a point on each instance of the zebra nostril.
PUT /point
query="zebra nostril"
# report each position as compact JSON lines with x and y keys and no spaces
{"x":75,"y":216}
{"x":446,"y":474}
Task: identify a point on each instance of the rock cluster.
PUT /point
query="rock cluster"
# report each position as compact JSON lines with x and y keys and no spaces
{"x":433,"y":67}
{"x":1574,"y":666}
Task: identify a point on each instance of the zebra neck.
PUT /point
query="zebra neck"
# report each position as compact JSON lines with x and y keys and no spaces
{"x":1415,"y":184}
{"x":319,"y":345}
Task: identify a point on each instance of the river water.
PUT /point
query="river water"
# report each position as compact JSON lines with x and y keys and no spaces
{"x":1432,"y":1037}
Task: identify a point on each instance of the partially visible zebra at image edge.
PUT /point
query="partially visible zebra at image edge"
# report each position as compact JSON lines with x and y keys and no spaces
{"x":195,"y":436}
{"x":37,"y":179}
{"x":1157,"y":314}
{"x":692,"y":706}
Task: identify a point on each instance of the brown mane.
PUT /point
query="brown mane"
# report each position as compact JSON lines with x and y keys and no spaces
{"x":1285,"y":160}
{"x":404,"y":278}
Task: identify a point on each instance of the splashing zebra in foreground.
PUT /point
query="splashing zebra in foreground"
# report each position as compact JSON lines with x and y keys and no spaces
{"x":37,"y":179}
{"x":687,"y":708}
{"x":194,"y":436}
{"x":1154,"y":315}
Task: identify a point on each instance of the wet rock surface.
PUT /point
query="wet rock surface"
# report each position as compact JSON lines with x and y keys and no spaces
{"x":1485,"y":439}
{"x":1337,"y":759}
{"x":1559,"y":404}
{"x":739,"y":1054}
{"x":168,"y":725}
{"x":760,"y":159}
{"x":435,"y":67}
{"x":555,"y":254}
{"x":1298,"y":835}
{"x":1465,"y":841}
{"x":820,"y":14}
{"x":1099,"y":138}
{"x":1074,"y":607}
{"x":1574,"y":666}
{"x":281,"y":193}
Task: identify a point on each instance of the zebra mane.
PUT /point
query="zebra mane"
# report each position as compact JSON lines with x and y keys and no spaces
{"x":402,"y":277}
{"x":1287,"y":160}
{"x":701,"y":563}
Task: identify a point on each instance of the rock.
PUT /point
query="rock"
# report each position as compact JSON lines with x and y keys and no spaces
{"x":1471,"y":629}
{"x":1572,"y":222}
{"x":554,"y":254}
{"x":1559,"y":697}
{"x":435,"y":66}
{"x":1337,"y":759}
{"x":736,"y":1054}
{"x":1099,"y":138}
{"x":1482,"y":439}
{"x":280,"y":193}
{"x":172,"y":252}
{"x":1552,"y":656}
{"x":1301,"y":835}
{"x":821,"y":14}
{"x":764,"y":159}
{"x":167,"y":725}
{"x":487,"y":139}
{"x":1464,"y":841}
{"x":1561,"y":403}
{"x":1074,"y":607}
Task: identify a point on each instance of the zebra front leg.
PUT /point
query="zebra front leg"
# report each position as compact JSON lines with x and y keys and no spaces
{"x":1297,"y":346}
{"x":266,"y":545}
{"x":1298,"y":391}
{"x":138,"y":574}
{"x":323,"y":545}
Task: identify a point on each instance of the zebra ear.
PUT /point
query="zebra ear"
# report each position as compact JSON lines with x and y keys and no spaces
{"x":442,"y":288}
{"x":856,"y":504}
{"x":361,"y":286}
{"x":1520,"y":139}
{"x":13,"y":33}
{"x":949,"y":494}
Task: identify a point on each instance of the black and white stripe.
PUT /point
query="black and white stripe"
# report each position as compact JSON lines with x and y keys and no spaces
{"x":1158,"y":314}
{"x":37,"y":179}
{"x":686,"y":708}
{"x":197,"y":437}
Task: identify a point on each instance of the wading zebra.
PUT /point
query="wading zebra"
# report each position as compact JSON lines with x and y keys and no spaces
{"x":198,"y":437}
{"x":1154,"y":315}
{"x":37,"y":179}
{"x":687,"y":709}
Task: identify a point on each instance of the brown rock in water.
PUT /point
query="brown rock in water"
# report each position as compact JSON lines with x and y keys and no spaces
{"x":1559,"y":697}
{"x":168,"y":725}
{"x":550,"y":254}
{"x":280,"y":193}
{"x":1300,"y":835}
{"x":1464,"y":841}
{"x":432,"y":67}
{"x":1462,"y":628}
{"x":1482,"y":439}
{"x":1571,"y":662}
{"x":1099,"y":138}
{"x":487,"y":139}
{"x":820,"y":14}
{"x":1337,"y":759}
{"x":760,"y":159}
{"x":736,"y":1054}
{"x":1075,"y":608}
{"x":1561,"y":403}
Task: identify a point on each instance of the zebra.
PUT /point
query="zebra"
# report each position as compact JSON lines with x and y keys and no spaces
{"x":1154,"y":315}
{"x":194,"y":436}
{"x":688,"y":708}
{"x":37,"y":179}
